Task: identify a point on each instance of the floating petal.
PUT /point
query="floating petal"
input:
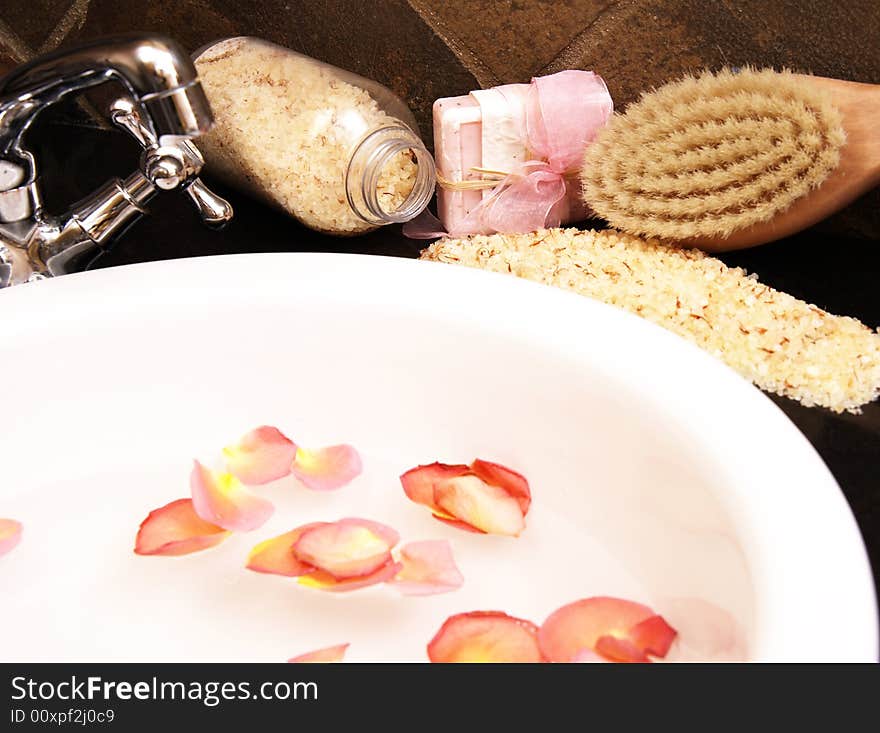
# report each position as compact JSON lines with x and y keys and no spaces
{"x":418,"y":483}
{"x":481,"y":505}
{"x":485,"y":636}
{"x":579,"y":625}
{"x":275,"y":556}
{"x":327,"y":654}
{"x":10,"y":535}
{"x":321,"y":580}
{"x":265,"y":454}
{"x":220,"y":498}
{"x":615,"y":649}
{"x":588,"y":656}
{"x":513,"y":483}
{"x":653,"y":635}
{"x":428,"y":567}
{"x":349,"y":548}
{"x":327,"y":469}
{"x":176,"y":529}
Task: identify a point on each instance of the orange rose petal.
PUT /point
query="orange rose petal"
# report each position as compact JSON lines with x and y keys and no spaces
{"x":513,"y":483}
{"x":579,"y":625}
{"x":349,"y":548}
{"x":321,"y":580}
{"x":220,"y":498}
{"x":620,"y":650}
{"x":275,"y":556}
{"x":10,"y":535}
{"x":327,"y":469}
{"x":176,"y":529}
{"x":473,"y":501}
{"x":457,"y":523}
{"x":428,"y":567}
{"x":653,"y":635}
{"x":588,"y":656}
{"x":485,"y":636}
{"x":327,"y":654}
{"x":418,"y":483}
{"x":265,"y":454}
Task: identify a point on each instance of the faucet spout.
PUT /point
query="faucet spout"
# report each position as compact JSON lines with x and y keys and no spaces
{"x":155,"y":71}
{"x":162,"y":106}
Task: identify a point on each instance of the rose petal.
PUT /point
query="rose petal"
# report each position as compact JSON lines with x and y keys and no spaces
{"x":275,"y":556}
{"x":10,"y":535}
{"x":588,"y":656}
{"x":265,"y":454}
{"x":349,"y":548}
{"x":579,"y":625}
{"x":418,"y":483}
{"x":488,"y":508}
{"x":653,"y":636}
{"x":176,"y":529}
{"x":479,"y":497}
{"x":513,"y":483}
{"x":620,"y":650}
{"x":220,"y":498}
{"x":457,"y":523}
{"x":428,"y":567}
{"x":321,"y":580}
{"x":485,"y":636}
{"x":327,"y":654}
{"x":327,"y":469}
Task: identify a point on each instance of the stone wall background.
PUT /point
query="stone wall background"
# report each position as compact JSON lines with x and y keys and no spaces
{"x":424,"y":49}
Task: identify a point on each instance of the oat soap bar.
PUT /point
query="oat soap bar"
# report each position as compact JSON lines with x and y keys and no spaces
{"x":339,"y":152}
{"x":498,"y":149}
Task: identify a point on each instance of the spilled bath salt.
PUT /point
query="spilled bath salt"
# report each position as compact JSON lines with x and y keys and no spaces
{"x":285,"y":129}
{"x":780,"y":343}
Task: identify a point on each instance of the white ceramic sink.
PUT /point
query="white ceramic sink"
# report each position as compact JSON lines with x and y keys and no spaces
{"x":658,"y":475}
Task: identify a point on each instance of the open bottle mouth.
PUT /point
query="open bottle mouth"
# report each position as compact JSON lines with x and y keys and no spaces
{"x":391,"y":176}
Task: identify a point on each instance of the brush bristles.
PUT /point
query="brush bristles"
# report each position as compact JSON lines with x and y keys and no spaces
{"x":709,"y":155}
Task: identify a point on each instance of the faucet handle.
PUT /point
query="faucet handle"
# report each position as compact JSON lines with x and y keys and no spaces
{"x":174,"y":165}
{"x":215,"y":211}
{"x":124,"y":114}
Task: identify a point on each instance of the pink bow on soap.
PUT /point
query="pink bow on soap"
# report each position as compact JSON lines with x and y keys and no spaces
{"x":564,"y":112}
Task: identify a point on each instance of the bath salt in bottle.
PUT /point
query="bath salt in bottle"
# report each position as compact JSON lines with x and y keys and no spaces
{"x":339,"y":152}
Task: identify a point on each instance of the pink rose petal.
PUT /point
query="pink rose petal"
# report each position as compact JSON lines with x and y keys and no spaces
{"x":620,"y":650}
{"x":349,"y":548}
{"x":428,"y":567}
{"x":220,"y":498}
{"x":327,"y":654}
{"x":588,"y":656}
{"x":275,"y":556}
{"x":10,"y":535}
{"x":176,"y":529}
{"x":484,"y":497}
{"x":513,"y":483}
{"x":327,"y":469}
{"x":617,"y":629}
{"x":321,"y":580}
{"x":485,"y":636}
{"x":265,"y":454}
{"x":488,"y":508}
{"x":418,"y":483}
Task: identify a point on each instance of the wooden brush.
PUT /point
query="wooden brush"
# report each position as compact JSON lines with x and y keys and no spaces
{"x":732,"y":159}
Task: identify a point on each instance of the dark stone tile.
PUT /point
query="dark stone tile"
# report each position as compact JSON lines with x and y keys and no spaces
{"x":33,"y":20}
{"x":510,"y":39}
{"x":386,"y":41}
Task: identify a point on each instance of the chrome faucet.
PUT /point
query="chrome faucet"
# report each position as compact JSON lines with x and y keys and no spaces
{"x":162,"y":106}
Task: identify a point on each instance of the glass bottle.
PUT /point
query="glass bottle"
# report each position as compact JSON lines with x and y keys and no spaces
{"x":339,"y":152}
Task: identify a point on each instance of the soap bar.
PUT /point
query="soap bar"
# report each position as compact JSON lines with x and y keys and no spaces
{"x":486,"y":130}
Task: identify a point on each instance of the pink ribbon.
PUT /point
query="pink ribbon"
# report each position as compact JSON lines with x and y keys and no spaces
{"x":564,"y":112}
